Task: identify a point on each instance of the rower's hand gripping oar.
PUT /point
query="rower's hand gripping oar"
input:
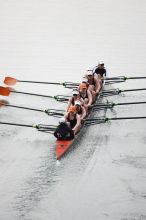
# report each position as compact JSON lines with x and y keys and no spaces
{"x":40,"y":127}
{"x":51,"y":112}
{"x":5,"y":91}
{"x":12,"y":81}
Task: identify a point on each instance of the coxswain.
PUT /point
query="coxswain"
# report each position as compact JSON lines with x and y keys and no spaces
{"x":100,"y":70}
{"x":94,"y":84}
{"x":74,"y":119}
{"x":80,"y":110}
{"x":75,"y":96}
{"x":63,"y":130}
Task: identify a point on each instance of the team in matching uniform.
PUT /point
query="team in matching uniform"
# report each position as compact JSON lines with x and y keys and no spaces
{"x":80,"y":102}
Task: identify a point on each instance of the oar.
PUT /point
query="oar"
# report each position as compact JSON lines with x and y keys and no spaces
{"x":3,"y":102}
{"x":39,"y":127}
{"x":120,"y":79}
{"x":51,"y":112}
{"x":124,"y":78}
{"x":12,"y":81}
{"x":93,"y":121}
{"x":109,"y":82}
{"x":4,"y":91}
{"x":112,"y":104}
{"x":118,"y":91}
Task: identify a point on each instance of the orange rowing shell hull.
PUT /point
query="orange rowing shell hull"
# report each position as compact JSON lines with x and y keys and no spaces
{"x":61,"y":147}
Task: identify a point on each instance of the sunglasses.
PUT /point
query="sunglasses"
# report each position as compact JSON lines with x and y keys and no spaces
{"x":75,"y":94}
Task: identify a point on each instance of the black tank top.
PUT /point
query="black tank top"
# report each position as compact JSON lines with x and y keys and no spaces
{"x":92,"y":82}
{"x":100,"y":71}
{"x":80,"y":111}
{"x":84,"y":97}
{"x":72,"y":122}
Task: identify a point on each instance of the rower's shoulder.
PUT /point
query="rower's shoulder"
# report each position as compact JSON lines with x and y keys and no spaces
{"x":66,"y":114}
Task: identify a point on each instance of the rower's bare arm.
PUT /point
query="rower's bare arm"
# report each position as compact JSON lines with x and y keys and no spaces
{"x":66,"y":115}
{"x":83,"y":113}
{"x":97,"y":86}
{"x":78,"y":123}
{"x":69,"y":104}
{"x":89,"y":98}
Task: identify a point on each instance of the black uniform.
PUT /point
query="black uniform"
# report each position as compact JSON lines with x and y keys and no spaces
{"x":99,"y":71}
{"x":80,"y":111}
{"x":72,"y":122}
{"x":64,"y":132}
{"x":84,"y":97}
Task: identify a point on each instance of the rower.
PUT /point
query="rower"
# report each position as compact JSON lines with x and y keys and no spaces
{"x":75,"y":96}
{"x":80,"y":110}
{"x":94,"y":84}
{"x":63,"y":131}
{"x":74,"y":119}
{"x":100,"y":70}
{"x":85,"y":80}
{"x":86,"y":95}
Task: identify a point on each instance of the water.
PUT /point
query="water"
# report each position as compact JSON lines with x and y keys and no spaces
{"x":103,"y":177}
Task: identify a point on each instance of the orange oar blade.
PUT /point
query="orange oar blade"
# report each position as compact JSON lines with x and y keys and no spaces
{"x":3,"y":102}
{"x":4,"y":91}
{"x":10,"y":81}
{"x":10,"y":88}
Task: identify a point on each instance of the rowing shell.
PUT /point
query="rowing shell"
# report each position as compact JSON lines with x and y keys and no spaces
{"x":62,"y":146}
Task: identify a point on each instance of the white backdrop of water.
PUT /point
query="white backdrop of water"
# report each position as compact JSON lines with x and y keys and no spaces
{"x":104,"y":176}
